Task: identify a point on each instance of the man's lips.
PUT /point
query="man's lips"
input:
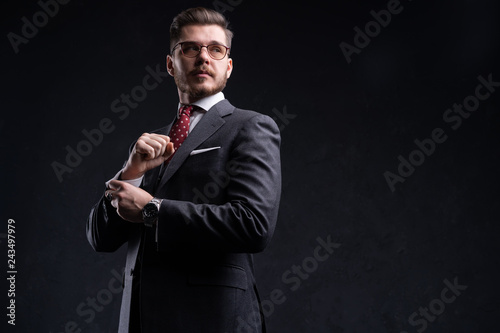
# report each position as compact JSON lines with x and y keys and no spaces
{"x":201,"y":73}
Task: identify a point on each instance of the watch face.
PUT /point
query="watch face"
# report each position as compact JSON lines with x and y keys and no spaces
{"x":150,"y":210}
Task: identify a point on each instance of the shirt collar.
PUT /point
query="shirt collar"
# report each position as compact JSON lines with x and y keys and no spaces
{"x":207,"y":102}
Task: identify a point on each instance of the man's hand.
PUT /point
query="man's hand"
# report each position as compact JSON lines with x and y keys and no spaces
{"x":128,"y":200}
{"x":150,"y":151}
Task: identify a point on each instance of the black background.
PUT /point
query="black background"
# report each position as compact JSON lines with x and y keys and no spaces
{"x":346,"y":125}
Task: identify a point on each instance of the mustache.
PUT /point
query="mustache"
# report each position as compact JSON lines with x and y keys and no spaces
{"x":202,"y":69}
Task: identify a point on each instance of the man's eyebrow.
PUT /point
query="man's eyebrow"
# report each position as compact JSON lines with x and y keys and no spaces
{"x":217,"y":42}
{"x":209,"y":43}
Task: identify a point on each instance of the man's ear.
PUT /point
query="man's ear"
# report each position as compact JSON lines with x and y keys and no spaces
{"x":170,"y":65}
{"x":229,"y":67}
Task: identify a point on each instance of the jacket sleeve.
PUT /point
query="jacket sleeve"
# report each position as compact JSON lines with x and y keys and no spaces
{"x":106,"y":231}
{"x":246,"y":221}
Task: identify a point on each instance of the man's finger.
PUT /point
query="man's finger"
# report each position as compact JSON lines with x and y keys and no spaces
{"x":111,"y":198}
{"x":152,"y":147}
{"x":109,"y":195}
{"x":163,"y":141}
{"x":169,"y":150}
{"x":115,"y":184}
{"x":147,"y":147}
{"x":164,"y":137}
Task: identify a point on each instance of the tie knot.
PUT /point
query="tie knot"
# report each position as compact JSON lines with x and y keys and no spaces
{"x":186,"y":109}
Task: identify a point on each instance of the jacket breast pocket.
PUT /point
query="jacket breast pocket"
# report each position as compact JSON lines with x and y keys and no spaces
{"x":206,"y":155}
{"x":201,"y":167}
{"x":224,"y":276}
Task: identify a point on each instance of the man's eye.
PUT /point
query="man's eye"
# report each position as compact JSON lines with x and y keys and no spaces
{"x":191,"y":47}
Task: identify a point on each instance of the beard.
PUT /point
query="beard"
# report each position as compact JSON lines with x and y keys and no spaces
{"x":195,"y":91}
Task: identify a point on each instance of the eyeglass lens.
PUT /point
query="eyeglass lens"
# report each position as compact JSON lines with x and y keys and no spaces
{"x":192,"y":50}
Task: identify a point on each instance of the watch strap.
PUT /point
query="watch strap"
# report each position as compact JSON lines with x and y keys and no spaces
{"x":150,"y":221}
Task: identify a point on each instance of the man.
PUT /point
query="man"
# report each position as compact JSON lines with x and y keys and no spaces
{"x":195,"y":198}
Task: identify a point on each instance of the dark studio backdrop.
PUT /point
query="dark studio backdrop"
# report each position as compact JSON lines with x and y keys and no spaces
{"x":389,"y":113}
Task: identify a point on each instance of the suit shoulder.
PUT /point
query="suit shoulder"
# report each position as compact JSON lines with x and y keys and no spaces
{"x":253,"y":117}
{"x":225,"y":108}
{"x":250,"y":115}
{"x":248,"y":121}
{"x":245,"y":113}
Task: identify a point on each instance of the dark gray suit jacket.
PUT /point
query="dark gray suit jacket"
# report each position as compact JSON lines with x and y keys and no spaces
{"x":221,"y":193}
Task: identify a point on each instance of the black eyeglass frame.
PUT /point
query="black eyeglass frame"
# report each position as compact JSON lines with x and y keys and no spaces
{"x":201,"y":46}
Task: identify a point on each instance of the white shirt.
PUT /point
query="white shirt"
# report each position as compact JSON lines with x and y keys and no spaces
{"x":205,"y":104}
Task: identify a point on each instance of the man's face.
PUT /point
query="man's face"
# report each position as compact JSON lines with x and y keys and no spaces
{"x":200,"y":76}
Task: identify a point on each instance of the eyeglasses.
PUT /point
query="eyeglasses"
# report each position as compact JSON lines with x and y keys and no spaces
{"x":193,"y":49}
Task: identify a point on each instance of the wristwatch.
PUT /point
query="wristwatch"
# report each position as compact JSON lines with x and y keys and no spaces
{"x":150,"y":212}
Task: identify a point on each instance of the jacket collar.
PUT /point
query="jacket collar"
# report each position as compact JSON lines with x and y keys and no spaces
{"x":207,"y":126}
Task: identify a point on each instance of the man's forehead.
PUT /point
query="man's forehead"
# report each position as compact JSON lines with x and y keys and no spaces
{"x":203,"y":33}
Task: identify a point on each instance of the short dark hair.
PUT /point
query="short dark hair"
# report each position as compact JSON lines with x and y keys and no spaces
{"x":198,"y":16}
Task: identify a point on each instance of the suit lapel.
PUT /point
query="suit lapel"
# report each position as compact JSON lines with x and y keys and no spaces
{"x":207,"y":126}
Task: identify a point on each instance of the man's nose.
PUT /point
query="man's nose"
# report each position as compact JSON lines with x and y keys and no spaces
{"x":203,"y":57}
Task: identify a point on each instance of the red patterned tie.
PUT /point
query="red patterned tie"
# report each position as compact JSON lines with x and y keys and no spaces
{"x":180,"y":130}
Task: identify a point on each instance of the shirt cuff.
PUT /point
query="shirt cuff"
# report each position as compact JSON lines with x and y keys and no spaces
{"x":135,"y":182}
